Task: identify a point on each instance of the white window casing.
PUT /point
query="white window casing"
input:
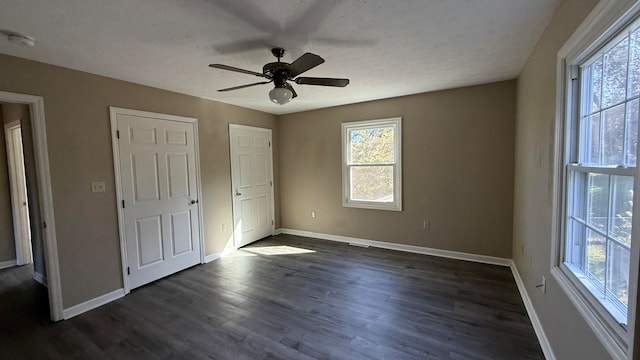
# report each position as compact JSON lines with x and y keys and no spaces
{"x":579,"y":176}
{"x":372,"y":164}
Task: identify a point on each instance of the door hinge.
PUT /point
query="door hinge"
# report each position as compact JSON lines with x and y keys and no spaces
{"x":128,"y":270}
{"x":44,"y":224}
{"x":271,"y":183}
{"x":269,"y":143}
{"x":273,"y":222}
{"x":123,"y":204}
{"x":118,"y":134}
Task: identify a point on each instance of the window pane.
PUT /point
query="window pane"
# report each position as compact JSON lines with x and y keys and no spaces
{"x":372,"y":183}
{"x":613,"y":135}
{"x":618,"y":272}
{"x":598,"y":201}
{"x":590,"y":144}
{"x":372,"y":146}
{"x":632,"y":132}
{"x":634,"y":65}
{"x":575,"y":244}
{"x":595,"y":86}
{"x":622,"y":208}
{"x":596,"y":253}
{"x":614,"y":83}
{"x":578,"y":195}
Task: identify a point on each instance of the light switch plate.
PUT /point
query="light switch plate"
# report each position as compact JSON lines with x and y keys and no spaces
{"x":98,"y":186}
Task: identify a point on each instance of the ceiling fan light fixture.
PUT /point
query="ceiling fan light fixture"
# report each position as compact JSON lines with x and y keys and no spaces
{"x":280,"y":95}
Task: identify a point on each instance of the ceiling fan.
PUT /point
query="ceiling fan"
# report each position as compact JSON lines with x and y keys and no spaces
{"x":280,"y":73}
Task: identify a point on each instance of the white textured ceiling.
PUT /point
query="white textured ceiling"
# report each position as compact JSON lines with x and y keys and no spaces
{"x":387,"y":48}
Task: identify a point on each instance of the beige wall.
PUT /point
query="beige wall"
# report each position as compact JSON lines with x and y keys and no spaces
{"x":7,"y":244}
{"x":79,"y":140}
{"x":570,"y":336}
{"x":457,"y":170}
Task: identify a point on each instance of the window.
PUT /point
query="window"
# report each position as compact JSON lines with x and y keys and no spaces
{"x":602,"y":86}
{"x":601,"y":171}
{"x":371,"y":164}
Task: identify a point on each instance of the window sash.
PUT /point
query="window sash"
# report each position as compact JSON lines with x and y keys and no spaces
{"x":577,"y":193}
{"x":619,"y":171}
{"x":350,"y":161}
{"x":351,"y":183}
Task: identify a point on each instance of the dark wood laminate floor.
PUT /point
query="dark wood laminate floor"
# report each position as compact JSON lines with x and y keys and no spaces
{"x":289,"y":297}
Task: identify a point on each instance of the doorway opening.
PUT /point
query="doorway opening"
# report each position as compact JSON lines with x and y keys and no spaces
{"x":27,"y":226}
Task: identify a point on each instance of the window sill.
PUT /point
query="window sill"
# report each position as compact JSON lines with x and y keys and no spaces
{"x":608,"y":305}
{"x":614,"y":340}
{"x":372,"y":205}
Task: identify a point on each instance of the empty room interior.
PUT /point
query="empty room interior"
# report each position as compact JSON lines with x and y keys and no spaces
{"x":315,"y":179}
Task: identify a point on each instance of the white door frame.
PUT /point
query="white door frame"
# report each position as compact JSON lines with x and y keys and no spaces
{"x":39,"y":130}
{"x":236,"y":235}
{"x":18,"y":185}
{"x":114,"y":111}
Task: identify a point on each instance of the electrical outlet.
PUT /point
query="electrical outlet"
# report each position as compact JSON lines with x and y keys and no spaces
{"x":313,"y":214}
{"x":543,"y":285}
{"x":98,"y":186}
{"x":224,"y":227}
{"x":426,"y":225}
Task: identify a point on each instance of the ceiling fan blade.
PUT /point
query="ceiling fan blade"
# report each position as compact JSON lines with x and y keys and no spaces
{"x":244,"y":86}
{"x":322,"y":81}
{"x":231,"y":68}
{"x":305,"y":62}
{"x":288,"y":86}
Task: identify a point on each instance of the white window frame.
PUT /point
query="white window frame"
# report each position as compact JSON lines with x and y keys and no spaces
{"x":396,"y":205}
{"x":599,"y":28}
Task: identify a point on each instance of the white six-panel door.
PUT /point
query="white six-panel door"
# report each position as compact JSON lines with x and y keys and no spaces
{"x":252,"y":183}
{"x":158,"y":186}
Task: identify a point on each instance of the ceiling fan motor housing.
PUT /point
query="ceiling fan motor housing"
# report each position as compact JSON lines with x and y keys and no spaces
{"x":278,"y":71}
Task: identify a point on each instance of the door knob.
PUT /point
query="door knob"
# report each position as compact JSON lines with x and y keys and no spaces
{"x":194,"y":202}
{"x":238,"y":193}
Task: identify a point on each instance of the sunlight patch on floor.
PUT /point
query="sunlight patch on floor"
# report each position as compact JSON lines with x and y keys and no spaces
{"x":276,"y":250}
{"x":239,"y":253}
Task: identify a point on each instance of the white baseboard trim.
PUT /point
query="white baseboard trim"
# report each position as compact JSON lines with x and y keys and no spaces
{"x":535,"y":321}
{"x":7,"y":264}
{"x":492,"y":260}
{"x":92,"y":304}
{"x":212,"y":257}
{"x":40,"y":278}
